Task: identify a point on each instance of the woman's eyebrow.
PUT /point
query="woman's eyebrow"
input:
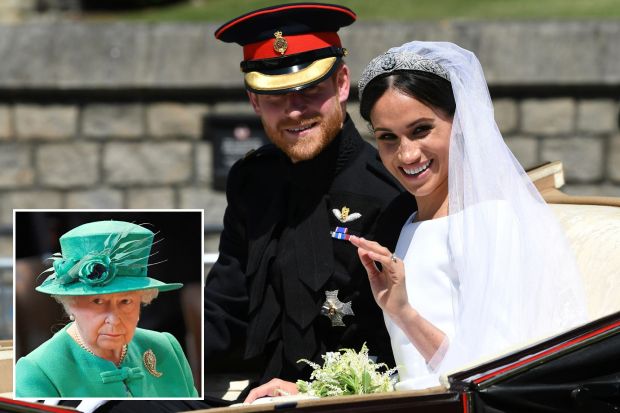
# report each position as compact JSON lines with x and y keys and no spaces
{"x":411,"y":125}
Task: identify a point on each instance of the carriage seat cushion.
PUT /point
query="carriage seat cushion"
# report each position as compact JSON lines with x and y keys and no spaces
{"x":594,"y":234}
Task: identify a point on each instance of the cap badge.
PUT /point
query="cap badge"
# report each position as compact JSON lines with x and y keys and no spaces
{"x":150,"y":362}
{"x":335,"y":309}
{"x":344,"y":216}
{"x":280,"y":44}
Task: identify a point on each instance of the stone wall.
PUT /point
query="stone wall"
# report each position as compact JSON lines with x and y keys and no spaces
{"x":109,"y":115}
{"x":6,"y":305}
{"x":107,"y":155}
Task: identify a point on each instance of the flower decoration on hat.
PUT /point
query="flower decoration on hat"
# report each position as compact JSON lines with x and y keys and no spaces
{"x":100,"y":267}
{"x":94,"y":269}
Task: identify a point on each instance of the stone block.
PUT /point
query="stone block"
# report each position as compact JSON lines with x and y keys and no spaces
{"x":233,"y":108}
{"x":51,"y":122}
{"x":548,"y":116}
{"x":506,"y":115}
{"x":597,"y":116}
{"x":178,"y":54}
{"x":101,"y":55}
{"x":171,"y":120}
{"x":213,"y":202}
{"x":204,"y":163}
{"x":525,"y":149}
{"x":101,"y":198}
{"x":6,"y":332}
{"x":221,"y":62}
{"x":113,"y":121}
{"x":27,"y":200}
{"x":6,"y":131}
{"x":27,"y":55}
{"x":212,"y":243}
{"x":127,"y":164}
{"x":613,"y":160}
{"x":582,"y":157}
{"x":151,"y":198}
{"x":547,"y":52}
{"x":6,"y":247}
{"x":17,"y":169}
{"x":363,"y":127}
{"x":608,"y":44}
{"x":68,"y":165}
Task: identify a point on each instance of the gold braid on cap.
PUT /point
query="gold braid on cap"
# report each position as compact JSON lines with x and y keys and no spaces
{"x":317,"y":69}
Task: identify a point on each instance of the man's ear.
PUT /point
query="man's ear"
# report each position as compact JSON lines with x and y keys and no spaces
{"x":254,"y":102}
{"x":343,"y":83}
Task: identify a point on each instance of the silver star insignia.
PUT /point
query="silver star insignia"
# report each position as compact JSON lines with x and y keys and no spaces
{"x":335,"y":309}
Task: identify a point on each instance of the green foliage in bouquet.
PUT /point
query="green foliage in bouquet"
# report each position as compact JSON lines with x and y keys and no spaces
{"x":347,"y":372}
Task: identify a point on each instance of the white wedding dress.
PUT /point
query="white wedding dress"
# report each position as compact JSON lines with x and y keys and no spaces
{"x":433,"y":290}
{"x":432,"y":287}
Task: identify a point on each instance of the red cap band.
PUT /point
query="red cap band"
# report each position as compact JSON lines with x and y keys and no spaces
{"x":298,"y":43}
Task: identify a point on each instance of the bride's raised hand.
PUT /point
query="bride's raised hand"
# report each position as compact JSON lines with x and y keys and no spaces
{"x":387,"y":283}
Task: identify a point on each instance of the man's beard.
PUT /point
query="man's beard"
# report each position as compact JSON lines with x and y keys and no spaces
{"x":307,"y":147}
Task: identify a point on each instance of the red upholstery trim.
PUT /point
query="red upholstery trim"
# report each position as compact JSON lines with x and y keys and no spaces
{"x":465,"y":399}
{"x":41,"y":407}
{"x":547,"y":352}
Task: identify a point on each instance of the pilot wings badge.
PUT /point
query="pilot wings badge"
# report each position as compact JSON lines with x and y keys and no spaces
{"x":343,"y":215}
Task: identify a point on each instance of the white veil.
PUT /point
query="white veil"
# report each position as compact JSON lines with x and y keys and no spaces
{"x":518,"y":279}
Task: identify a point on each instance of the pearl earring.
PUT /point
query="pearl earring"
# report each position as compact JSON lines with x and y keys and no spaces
{"x":71,"y":317}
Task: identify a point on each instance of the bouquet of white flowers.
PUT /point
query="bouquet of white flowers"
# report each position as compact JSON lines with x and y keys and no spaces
{"x":347,"y":372}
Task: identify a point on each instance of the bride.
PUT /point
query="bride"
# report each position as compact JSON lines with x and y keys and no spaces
{"x":480,"y":265}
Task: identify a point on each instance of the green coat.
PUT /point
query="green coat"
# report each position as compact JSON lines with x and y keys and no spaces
{"x":61,"y":368}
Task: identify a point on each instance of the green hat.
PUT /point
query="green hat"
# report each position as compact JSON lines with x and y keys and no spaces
{"x":103,"y":257}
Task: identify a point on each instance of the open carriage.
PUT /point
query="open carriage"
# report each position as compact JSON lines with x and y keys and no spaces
{"x":575,"y":371}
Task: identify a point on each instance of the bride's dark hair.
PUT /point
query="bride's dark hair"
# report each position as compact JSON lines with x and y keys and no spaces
{"x":426,"y":87}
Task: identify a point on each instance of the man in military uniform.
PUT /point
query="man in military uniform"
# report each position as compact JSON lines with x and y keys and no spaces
{"x":287,"y":285}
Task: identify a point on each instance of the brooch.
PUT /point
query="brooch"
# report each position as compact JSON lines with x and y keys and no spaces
{"x":344,"y":216}
{"x":150,"y":362}
{"x":335,"y":309}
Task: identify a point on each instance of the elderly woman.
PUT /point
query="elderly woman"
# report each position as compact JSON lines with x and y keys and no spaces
{"x":101,"y":280}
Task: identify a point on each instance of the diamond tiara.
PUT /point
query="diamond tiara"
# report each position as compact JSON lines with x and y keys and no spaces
{"x":392,"y":61}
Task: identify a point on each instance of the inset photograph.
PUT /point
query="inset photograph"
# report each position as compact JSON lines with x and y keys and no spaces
{"x":108,"y":304}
